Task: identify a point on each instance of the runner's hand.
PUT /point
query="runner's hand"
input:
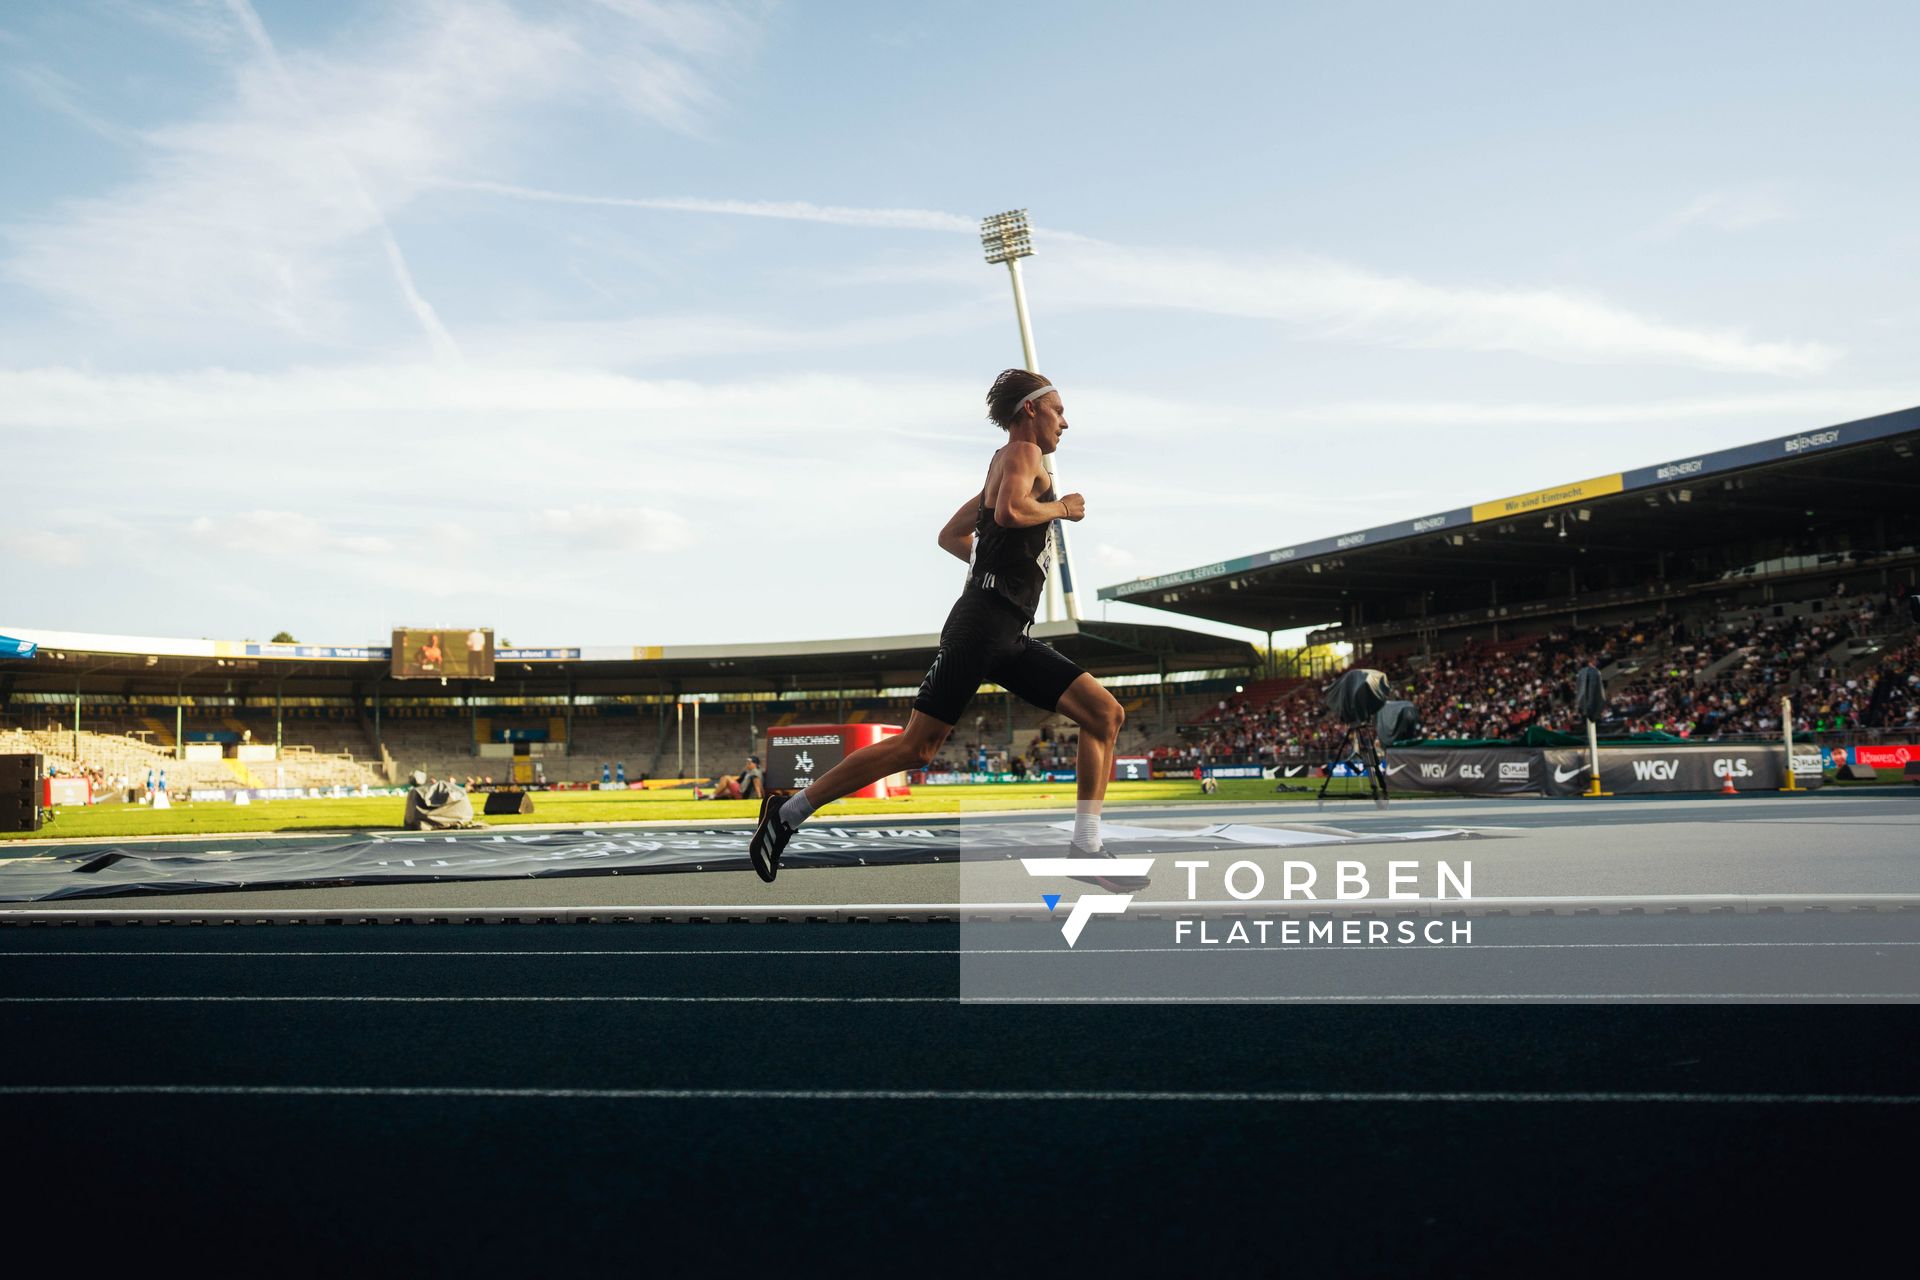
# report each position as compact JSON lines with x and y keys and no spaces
{"x":1076,"y":506}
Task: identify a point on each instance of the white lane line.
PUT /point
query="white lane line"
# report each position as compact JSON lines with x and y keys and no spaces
{"x":1258,"y":1097}
{"x":1505,"y":997}
{"x":1194,"y":948}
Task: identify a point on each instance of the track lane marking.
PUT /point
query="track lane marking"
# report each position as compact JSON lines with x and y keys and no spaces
{"x":1263,"y":1097}
{"x":1196,"y":948}
{"x":1416,"y":997}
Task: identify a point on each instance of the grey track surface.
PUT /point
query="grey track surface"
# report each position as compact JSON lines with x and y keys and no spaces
{"x":1821,"y":843}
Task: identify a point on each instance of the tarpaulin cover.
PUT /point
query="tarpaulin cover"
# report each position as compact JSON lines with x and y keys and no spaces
{"x":537,"y":855}
{"x":1590,"y":694}
{"x":1358,"y":695}
{"x":438,"y":807}
{"x":1398,"y":721}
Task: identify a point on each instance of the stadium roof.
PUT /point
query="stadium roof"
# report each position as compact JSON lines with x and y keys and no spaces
{"x":129,"y":664}
{"x":1779,"y":488}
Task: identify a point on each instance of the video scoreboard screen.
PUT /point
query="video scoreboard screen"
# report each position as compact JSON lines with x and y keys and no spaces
{"x":443,"y":653}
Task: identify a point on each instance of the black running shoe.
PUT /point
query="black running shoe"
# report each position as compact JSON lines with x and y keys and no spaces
{"x":770,"y":836}
{"x":1112,"y":884}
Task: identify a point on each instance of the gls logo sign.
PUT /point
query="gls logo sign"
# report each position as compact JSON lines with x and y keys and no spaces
{"x":1731,"y":767}
{"x":1087,"y":905}
{"x":1473,"y":771}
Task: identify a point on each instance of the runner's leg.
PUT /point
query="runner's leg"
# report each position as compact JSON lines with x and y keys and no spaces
{"x":1099,"y":716}
{"x":912,"y":748}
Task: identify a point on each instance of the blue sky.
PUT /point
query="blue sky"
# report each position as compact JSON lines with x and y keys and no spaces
{"x":593,"y":319}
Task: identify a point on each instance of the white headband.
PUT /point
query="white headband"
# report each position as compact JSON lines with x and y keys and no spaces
{"x":1035,"y":394}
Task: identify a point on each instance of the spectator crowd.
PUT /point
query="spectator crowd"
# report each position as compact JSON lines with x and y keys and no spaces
{"x":1718,"y":678}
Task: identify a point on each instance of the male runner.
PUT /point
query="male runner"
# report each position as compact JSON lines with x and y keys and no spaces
{"x":1001,"y":532}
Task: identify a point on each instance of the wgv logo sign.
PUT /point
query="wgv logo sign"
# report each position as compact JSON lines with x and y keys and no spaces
{"x":1656,"y":770}
{"x":1087,"y":905}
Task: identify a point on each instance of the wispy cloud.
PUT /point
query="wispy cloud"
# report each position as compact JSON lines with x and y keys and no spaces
{"x":1740,"y":210}
{"x":353,"y":399}
{"x":788,"y":210}
{"x":269,"y":532}
{"x":66,"y":549}
{"x":62,"y":96}
{"x":616,"y":528}
{"x":258,"y":214}
{"x":1316,"y":297}
{"x":1335,"y":301}
{"x":349,"y":177}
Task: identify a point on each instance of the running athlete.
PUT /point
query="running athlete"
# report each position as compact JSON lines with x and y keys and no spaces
{"x":1001,"y":532}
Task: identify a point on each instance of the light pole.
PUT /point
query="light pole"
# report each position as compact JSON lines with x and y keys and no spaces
{"x":1007,"y":238}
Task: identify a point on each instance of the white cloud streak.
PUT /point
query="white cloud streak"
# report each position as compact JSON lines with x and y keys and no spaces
{"x":270,"y":532}
{"x":1731,"y":211}
{"x":786,"y":210}
{"x":622,"y":529}
{"x":255,"y":216}
{"x":437,"y":335}
{"x":221,"y":400}
{"x":1316,"y":297}
{"x":60,"y":95}
{"x":1334,"y":301}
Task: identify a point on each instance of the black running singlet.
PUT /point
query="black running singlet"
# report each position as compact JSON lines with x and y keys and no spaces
{"x":1010,"y":562}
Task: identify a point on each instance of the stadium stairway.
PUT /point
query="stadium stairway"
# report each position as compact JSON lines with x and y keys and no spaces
{"x":243,"y":775}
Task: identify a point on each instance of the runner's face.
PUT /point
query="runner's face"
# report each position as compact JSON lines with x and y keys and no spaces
{"x":1049,"y":421}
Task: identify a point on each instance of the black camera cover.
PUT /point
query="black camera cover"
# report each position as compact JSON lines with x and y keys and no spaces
{"x":1357,"y":696}
{"x":1398,"y":721}
{"x":1589,"y":693}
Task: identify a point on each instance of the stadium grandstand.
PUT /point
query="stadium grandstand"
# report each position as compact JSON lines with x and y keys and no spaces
{"x":262,"y":717}
{"x":1706,"y":589}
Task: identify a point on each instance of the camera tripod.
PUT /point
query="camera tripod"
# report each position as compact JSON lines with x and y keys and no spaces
{"x":1356,"y":746}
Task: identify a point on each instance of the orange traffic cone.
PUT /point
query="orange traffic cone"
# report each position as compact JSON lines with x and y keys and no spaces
{"x":1727,"y":787}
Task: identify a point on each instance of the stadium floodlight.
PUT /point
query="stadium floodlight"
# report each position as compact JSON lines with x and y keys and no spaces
{"x":1008,"y":237}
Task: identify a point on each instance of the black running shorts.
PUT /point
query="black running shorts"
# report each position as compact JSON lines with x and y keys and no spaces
{"x":984,"y":639}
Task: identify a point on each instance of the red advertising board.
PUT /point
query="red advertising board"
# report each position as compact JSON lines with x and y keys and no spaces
{"x":799,"y":753}
{"x":67,"y":790}
{"x":1890,"y":756}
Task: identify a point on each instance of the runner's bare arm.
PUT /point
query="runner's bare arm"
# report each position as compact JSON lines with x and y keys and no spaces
{"x":956,"y":535}
{"x":1018,"y":508}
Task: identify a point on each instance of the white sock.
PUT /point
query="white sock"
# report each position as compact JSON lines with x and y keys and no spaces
{"x":1086,"y":828}
{"x":796,"y":810}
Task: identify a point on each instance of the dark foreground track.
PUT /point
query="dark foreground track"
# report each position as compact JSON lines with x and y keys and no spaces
{"x":504,"y":1101}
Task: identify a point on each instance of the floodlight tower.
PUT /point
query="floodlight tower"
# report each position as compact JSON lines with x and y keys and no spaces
{"x":1007,"y":238}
